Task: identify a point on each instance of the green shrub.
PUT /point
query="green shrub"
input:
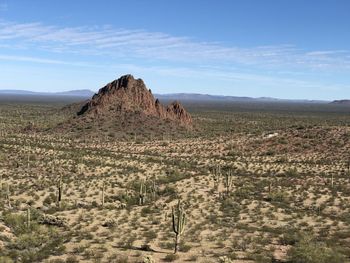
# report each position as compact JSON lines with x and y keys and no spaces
{"x":17,"y":222}
{"x":172,"y":176}
{"x":278,"y":196}
{"x":34,"y":244}
{"x":72,"y":259}
{"x":5,"y":260}
{"x":171,"y":257}
{"x":309,"y":251}
{"x":290,"y":237}
{"x":145,"y":211}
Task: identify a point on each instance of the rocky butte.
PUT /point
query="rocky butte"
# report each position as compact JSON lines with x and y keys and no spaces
{"x":128,"y":96}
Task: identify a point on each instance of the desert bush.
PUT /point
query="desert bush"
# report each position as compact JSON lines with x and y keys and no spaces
{"x":171,"y":257}
{"x":290,"y":236}
{"x":4,"y":259}
{"x":310,"y":251}
{"x":17,"y":222}
{"x":172,"y":176}
{"x":36,"y":246}
{"x":51,"y":198}
{"x":278,"y":196}
{"x":72,"y":259}
{"x":230,"y":208}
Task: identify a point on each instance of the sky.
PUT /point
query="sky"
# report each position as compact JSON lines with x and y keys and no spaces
{"x":273,"y":48}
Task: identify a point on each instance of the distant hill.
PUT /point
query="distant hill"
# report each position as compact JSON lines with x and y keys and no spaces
{"x":222,"y":98}
{"x":72,"y":93}
{"x":341,"y":102}
{"x":17,"y":92}
{"x":85,"y":94}
{"x":80,"y":93}
{"x":200,"y":97}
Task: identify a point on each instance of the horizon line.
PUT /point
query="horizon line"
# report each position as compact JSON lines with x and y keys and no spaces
{"x":2,"y":92}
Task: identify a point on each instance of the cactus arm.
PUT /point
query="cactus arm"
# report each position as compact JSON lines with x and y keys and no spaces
{"x":174,"y":223}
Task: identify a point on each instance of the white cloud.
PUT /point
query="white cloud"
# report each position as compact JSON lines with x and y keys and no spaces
{"x":40,"y":60}
{"x":231,"y":76}
{"x":106,"y":40}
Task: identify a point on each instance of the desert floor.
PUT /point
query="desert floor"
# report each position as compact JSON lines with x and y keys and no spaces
{"x":257,"y":184}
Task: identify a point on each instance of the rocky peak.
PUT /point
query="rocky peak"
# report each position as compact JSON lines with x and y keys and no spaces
{"x":179,"y":111}
{"x":128,"y":95}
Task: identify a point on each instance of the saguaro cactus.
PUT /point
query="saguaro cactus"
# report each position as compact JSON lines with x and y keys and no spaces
{"x":270,"y":186}
{"x":103,"y":194}
{"x":7,"y":195}
{"x":28,"y":218}
{"x":153,"y":189}
{"x":332,"y":181}
{"x":179,"y":223}
{"x":228,"y":181}
{"x":59,"y":191}
{"x":216,"y":177}
{"x":142,"y":193}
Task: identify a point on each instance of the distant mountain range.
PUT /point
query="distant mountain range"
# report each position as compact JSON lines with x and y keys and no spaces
{"x":85,"y":94}
{"x":341,"y":102}
{"x":222,"y":98}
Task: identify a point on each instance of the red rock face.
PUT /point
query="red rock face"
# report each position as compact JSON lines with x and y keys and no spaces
{"x":126,"y":95}
{"x":176,"y":110}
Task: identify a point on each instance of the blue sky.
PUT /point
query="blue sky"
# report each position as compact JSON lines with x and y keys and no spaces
{"x":287,"y":49}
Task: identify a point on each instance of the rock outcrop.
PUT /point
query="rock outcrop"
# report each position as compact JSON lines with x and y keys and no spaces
{"x":128,"y":95}
{"x":52,"y":220}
